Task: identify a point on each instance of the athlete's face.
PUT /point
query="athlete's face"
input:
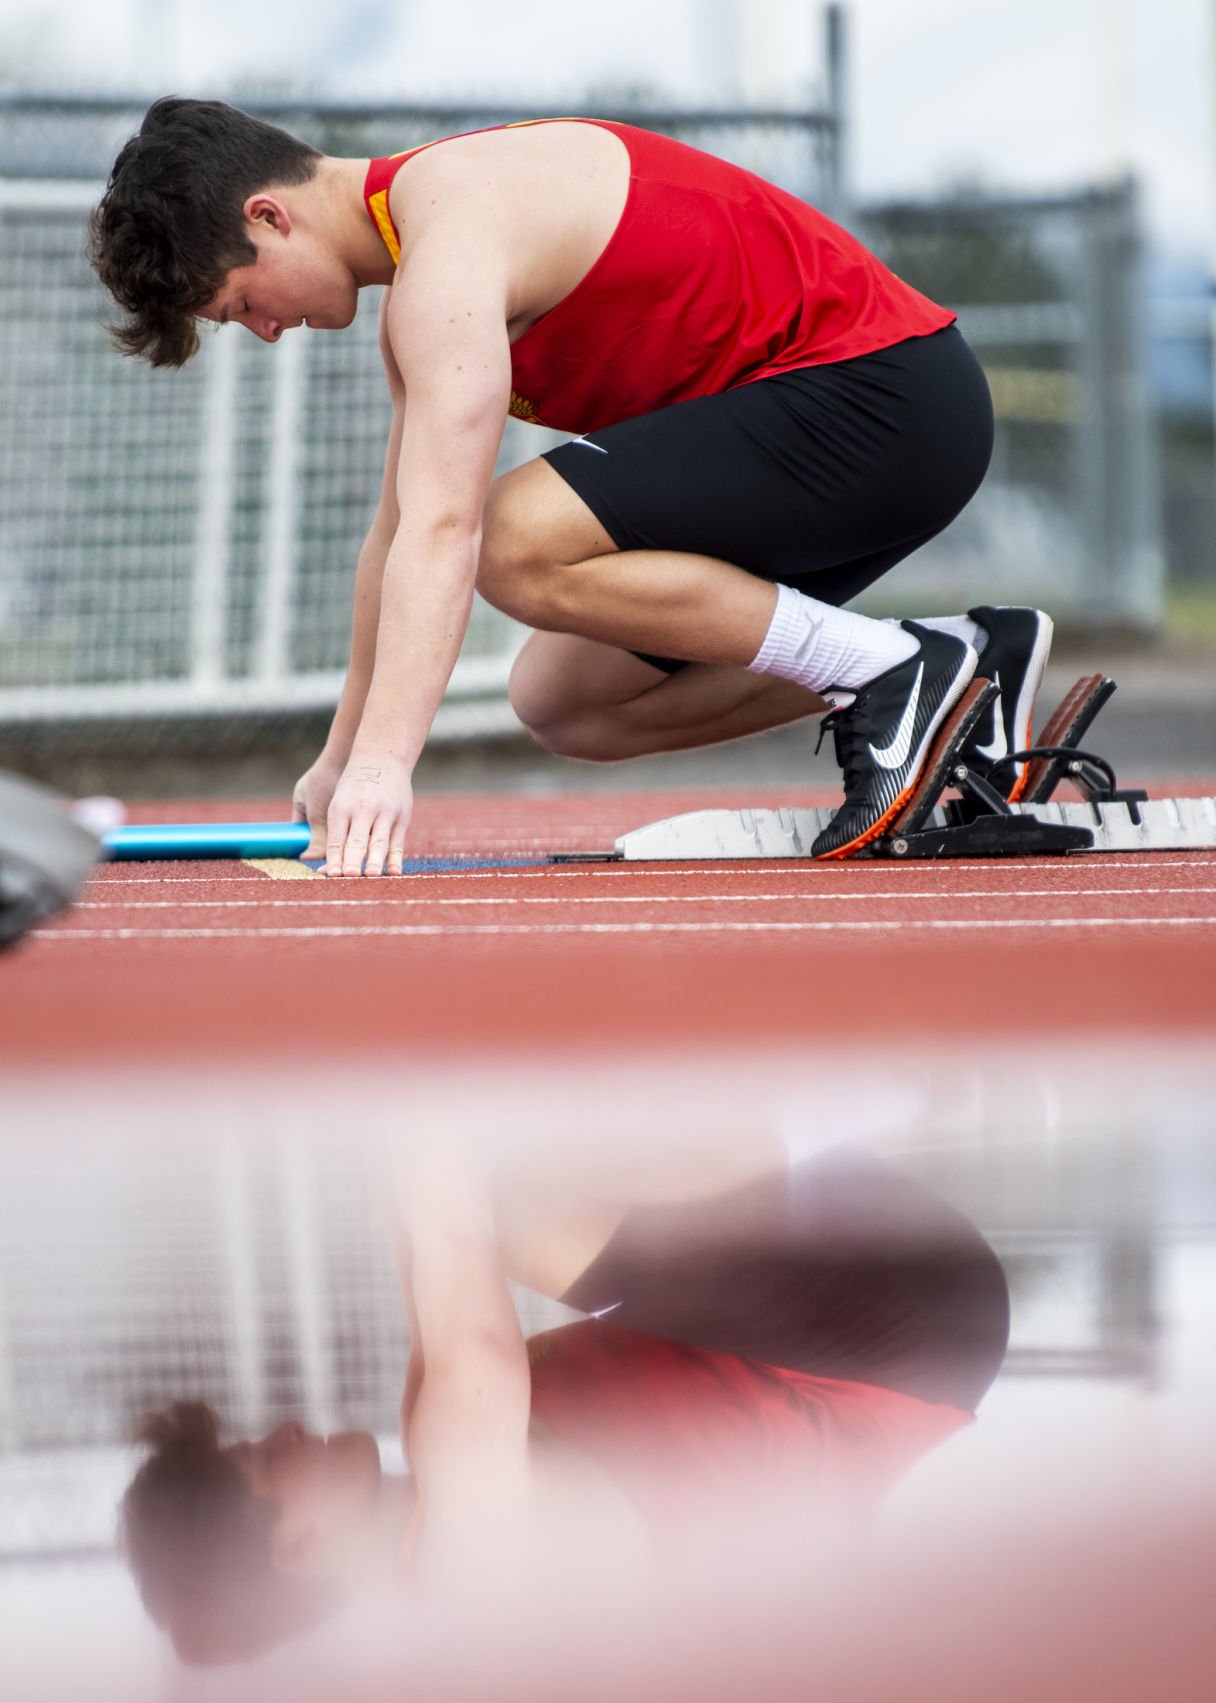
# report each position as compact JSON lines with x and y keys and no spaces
{"x":295,"y":280}
{"x":324,"y":1488}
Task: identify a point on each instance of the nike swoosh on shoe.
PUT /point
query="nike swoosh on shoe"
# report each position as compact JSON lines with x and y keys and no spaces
{"x":894,"y":755}
{"x":910,"y":768}
{"x":1000,"y":745}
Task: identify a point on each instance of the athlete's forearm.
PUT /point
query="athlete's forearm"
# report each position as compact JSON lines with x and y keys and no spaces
{"x":456,"y":1289}
{"x":425,"y":596}
{"x":369,"y":577}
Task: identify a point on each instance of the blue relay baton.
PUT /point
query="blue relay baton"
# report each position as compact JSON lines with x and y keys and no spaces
{"x":147,"y":842}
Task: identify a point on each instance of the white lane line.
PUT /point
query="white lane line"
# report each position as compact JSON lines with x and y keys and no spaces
{"x":398,"y":901}
{"x":761,"y":870}
{"x":430,"y":929}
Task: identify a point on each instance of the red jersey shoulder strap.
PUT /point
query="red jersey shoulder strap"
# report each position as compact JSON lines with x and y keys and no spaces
{"x":376,"y":185}
{"x":381,"y":172}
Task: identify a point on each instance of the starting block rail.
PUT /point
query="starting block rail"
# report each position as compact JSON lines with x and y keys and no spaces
{"x":979,"y":823}
{"x":1162,"y":824}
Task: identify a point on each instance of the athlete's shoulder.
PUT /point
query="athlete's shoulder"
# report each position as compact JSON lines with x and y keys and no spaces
{"x":492,"y":161}
{"x":458,"y":178}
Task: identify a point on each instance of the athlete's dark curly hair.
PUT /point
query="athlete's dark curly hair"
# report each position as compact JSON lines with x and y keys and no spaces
{"x":169,"y":228}
{"x":199,"y":1545}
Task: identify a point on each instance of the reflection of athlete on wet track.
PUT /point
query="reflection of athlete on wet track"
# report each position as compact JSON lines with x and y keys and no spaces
{"x":769,"y":420}
{"x":808,"y":1329}
{"x":817,"y":1329}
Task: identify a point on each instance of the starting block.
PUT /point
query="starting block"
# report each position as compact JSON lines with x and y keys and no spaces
{"x":978,"y":822}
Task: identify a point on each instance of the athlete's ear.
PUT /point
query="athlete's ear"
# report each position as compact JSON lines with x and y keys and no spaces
{"x":265,"y":210}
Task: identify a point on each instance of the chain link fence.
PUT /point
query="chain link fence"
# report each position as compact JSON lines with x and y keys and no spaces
{"x":1050,"y":295}
{"x":183,"y":543}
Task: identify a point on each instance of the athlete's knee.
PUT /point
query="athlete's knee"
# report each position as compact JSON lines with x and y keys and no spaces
{"x":556,"y":720}
{"x":529,"y":692}
{"x":545,"y":710}
{"x":588,"y":738}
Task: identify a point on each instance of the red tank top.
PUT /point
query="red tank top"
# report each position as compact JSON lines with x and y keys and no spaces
{"x":654,"y":1413}
{"x":712,"y":278}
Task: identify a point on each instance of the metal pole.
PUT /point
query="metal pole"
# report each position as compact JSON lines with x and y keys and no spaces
{"x":1100,"y":572}
{"x":1115,"y":55}
{"x":213,"y":528}
{"x":246,"y":1366}
{"x":835,"y":59}
{"x":1212,"y":214}
{"x":1142,"y":592}
{"x":303,"y":1241}
{"x":283,"y":504}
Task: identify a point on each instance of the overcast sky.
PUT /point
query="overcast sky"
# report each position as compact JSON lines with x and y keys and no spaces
{"x":1016,"y":93}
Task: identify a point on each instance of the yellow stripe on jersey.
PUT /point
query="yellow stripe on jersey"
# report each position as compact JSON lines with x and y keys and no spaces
{"x":378,"y":203}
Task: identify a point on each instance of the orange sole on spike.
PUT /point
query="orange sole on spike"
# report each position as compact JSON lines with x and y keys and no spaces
{"x":950,"y":735}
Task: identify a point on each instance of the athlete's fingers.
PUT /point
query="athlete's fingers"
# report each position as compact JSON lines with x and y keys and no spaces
{"x":387,"y":849}
{"x":366,"y":819}
{"x":377,"y":849}
{"x":316,"y":829}
{"x":338,"y":830}
{"x":355,"y":849}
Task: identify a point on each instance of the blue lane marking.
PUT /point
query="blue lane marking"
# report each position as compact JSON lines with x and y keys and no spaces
{"x":441,"y":865}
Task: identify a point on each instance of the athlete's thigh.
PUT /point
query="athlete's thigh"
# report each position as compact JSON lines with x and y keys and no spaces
{"x":836,"y":470}
{"x":534,"y":515}
{"x":844,"y":581}
{"x":842,"y":1267}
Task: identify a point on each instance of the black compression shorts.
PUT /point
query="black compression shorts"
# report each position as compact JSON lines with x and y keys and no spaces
{"x":822,"y":478}
{"x":843,"y":1267}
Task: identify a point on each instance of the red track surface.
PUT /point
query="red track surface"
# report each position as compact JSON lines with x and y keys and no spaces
{"x":217,"y":959}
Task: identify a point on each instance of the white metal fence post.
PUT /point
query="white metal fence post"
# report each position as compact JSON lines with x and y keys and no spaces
{"x":245,"y":1308}
{"x":282,"y":502}
{"x":213,"y":532}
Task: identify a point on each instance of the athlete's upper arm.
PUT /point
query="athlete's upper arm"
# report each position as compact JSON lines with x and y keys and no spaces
{"x":389,"y":513}
{"x":446,"y":327}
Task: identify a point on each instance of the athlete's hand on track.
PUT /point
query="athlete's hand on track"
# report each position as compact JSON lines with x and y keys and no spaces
{"x":369,"y":815}
{"x":311,"y":798}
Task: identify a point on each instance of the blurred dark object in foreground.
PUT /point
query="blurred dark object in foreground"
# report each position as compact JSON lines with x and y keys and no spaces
{"x":44,"y":856}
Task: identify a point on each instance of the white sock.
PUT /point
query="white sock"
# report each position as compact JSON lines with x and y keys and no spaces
{"x":961,"y":626}
{"x":819,"y":646}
